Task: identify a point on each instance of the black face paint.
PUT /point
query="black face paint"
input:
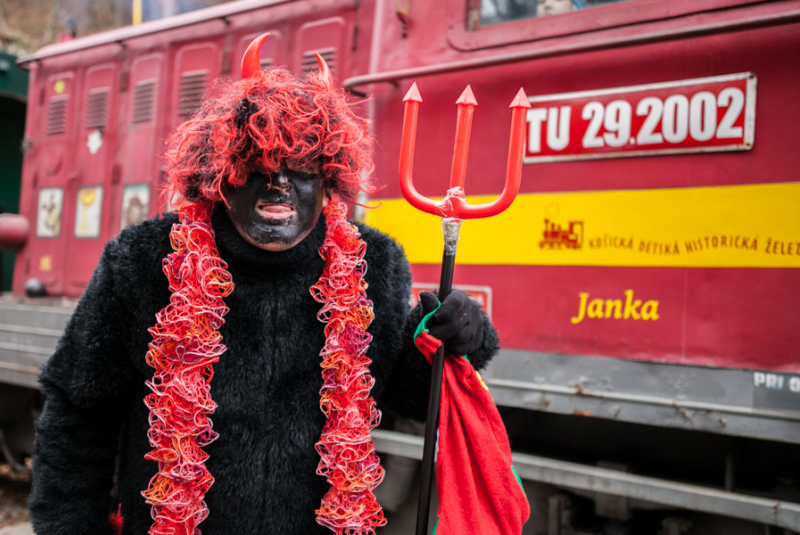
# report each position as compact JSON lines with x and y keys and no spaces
{"x":275,"y":212}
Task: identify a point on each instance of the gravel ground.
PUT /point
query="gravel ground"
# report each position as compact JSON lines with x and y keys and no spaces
{"x":14,"y":490}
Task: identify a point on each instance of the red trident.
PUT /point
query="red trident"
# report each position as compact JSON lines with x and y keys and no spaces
{"x":454,"y":204}
{"x":453,"y":209}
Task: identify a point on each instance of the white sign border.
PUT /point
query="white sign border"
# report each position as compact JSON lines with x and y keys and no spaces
{"x":749,"y":119}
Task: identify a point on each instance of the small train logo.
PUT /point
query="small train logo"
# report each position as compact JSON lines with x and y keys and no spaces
{"x":556,"y":237}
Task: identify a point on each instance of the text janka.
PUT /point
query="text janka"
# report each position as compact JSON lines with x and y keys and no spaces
{"x":615,"y":308}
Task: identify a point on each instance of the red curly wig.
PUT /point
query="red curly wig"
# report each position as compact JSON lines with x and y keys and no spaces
{"x":265,"y":120}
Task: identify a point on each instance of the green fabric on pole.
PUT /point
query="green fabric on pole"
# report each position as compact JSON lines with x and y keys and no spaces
{"x":423,"y":324}
{"x":518,"y":479}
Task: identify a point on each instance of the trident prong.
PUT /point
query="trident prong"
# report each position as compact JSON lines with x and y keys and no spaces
{"x":454,"y":204}
{"x":466,"y":108}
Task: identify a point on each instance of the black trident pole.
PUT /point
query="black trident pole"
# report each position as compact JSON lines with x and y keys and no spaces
{"x":451,"y":228}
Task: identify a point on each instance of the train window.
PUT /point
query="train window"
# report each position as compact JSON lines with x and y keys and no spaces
{"x":478,"y":24}
{"x":498,"y":11}
{"x":144,"y":97}
{"x":97,"y":108}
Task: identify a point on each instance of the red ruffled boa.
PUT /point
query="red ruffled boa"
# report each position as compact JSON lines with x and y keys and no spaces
{"x":348,"y":458}
{"x":186,"y":343}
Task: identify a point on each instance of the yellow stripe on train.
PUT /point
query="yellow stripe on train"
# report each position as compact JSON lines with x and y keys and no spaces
{"x":722,"y":226}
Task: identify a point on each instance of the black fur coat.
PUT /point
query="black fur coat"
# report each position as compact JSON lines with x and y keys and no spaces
{"x":266,"y":385}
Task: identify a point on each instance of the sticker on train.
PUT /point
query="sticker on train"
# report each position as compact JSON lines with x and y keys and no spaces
{"x":45,"y":263}
{"x":699,"y":115}
{"x":94,"y":142}
{"x":135,"y":204}
{"x":87,"y":213}
{"x":48,"y":217}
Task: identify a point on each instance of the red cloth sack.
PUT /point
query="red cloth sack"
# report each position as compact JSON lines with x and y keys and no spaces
{"x":479,"y":490}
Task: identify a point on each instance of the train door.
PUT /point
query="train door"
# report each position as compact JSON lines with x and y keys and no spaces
{"x":137,"y":167}
{"x":87,"y":195}
{"x":51,"y":147}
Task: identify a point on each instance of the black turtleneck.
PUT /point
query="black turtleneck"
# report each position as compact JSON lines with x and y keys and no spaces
{"x":266,"y":384}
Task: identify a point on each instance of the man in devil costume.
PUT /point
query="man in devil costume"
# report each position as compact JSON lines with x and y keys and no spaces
{"x":265,"y":282}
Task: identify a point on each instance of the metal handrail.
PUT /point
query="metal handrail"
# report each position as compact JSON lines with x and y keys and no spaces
{"x":613,"y":482}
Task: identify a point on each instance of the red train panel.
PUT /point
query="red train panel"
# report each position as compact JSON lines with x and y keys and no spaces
{"x":706,"y":242}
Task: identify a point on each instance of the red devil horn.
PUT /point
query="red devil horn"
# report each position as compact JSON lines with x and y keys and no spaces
{"x":324,"y":71}
{"x":251,"y":63}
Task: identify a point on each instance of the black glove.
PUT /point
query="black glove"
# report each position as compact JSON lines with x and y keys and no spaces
{"x":458,"y":322}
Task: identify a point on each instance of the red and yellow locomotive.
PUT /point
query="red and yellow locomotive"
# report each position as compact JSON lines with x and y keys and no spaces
{"x":645,"y":282}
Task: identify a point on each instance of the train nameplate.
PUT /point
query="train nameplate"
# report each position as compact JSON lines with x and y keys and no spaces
{"x":699,"y":115}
